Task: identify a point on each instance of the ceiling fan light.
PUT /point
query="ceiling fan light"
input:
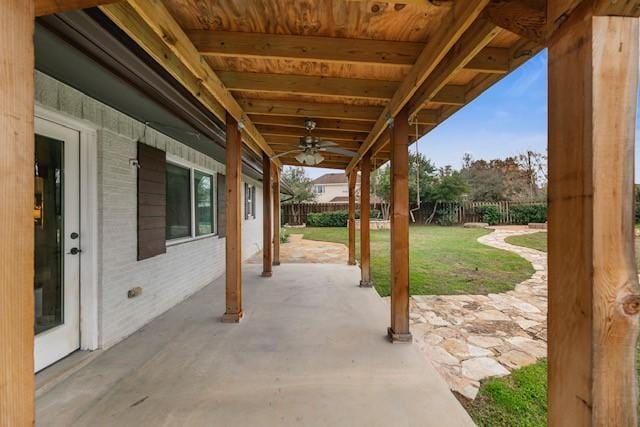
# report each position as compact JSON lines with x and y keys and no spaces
{"x":301,"y":157}
{"x":317,"y":158}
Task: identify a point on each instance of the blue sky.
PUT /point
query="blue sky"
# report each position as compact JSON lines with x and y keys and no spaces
{"x":507,"y":119}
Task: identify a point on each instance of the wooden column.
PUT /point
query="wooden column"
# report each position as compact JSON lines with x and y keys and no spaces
{"x":234,"y":223}
{"x":399,"y":329}
{"x":353,"y":176}
{"x":593,"y":285}
{"x":267,"y":237}
{"x":365,"y":234}
{"x":16,"y":220}
{"x":276,"y":216}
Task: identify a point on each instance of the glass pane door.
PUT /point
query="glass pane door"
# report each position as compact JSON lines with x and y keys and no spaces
{"x":48,"y":219}
{"x":56,"y":222}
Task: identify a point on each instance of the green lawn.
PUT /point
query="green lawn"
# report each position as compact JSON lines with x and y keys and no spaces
{"x":539,"y":241}
{"x":519,"y":399}
{"x":443,"y":260}
{"x":536,"y":241}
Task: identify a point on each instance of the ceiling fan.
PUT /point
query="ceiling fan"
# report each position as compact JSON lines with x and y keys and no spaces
{"x":310,"y":147}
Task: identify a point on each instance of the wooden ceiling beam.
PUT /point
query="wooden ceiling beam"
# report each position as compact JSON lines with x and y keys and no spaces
{"x":297,"y":122}
{"x":454,"y":24}
{"x":325,"y":164}
{"x":279,"y":143}
{"x":308,"y":85}
{"x":472,"y":42}
{"x":305,"y":48}
{"x":310,"y":109}
{"x":450,"y":95}
{"x":494,"y":60}
{"x":284,"y":143}
{"x":159,"y":19}
{"x":526,"y":18}
{"x":49,"y":7}
{"x":320,"y":133}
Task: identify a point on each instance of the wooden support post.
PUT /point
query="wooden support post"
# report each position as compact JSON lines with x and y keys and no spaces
{"x":399,"y":329}
{"x":353,"y":176}
{"x":16,"y":221}
{"x":365,"y":234}
{"x":593,"y":285}
{"x":276,"y":216}
{"x":267,"y":237}
{"x":234,"y":223}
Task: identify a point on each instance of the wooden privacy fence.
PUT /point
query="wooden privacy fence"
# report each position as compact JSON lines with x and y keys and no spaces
{"x":296,"y":214}
{"x":459,"y":212}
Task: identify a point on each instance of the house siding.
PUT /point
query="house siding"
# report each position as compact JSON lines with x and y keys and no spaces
{"x":165,"y":279}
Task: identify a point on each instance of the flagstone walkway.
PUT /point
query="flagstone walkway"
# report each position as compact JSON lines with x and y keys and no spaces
{"x":299,"y":250}
{"x":472,"y":337}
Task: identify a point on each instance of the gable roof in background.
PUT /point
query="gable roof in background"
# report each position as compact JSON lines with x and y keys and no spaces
{"x":333,"y":178}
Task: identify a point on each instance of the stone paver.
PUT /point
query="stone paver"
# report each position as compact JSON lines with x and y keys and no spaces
{"x":472,"y":337}
{"x":299,"y":250}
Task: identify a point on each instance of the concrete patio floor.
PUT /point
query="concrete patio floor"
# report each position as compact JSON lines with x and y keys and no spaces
{"x":310,"y":351}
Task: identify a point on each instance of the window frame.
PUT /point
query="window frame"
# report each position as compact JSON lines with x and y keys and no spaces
{"x":250,"y":192}
{"x":191,"y":167}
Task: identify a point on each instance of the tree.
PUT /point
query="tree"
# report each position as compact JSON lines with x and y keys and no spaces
{"x":448,"y":186}
{"x":517,"y":178}
{"x":381,"y":187}
{"x":296,"y":179}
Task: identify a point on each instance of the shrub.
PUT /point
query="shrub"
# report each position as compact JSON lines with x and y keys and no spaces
{"x":524,"y":214}
{"x":445,"y":217}
{"x":327,"y":219}
{"x":373,"y":214}
{"x":284,"y":236}
{"x":489,"y":214}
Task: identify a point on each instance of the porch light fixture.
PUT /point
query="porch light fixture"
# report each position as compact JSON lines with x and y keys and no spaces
{"x":309,"y":158}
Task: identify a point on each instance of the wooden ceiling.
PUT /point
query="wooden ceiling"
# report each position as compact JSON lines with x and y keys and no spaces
{"x":347,"y":64}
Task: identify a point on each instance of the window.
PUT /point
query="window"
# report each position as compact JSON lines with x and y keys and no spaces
{"x":249,"y":201}
{"x":178,"y":202}
{"x":190,"y":203}
{"x":203,"y":191}
{"x":318,"y":189}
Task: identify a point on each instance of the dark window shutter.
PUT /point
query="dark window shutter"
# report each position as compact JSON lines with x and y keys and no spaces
{"x":253,"y":201}
{"x":246,"y":201}
{"x":151,"y":201}
{"x":222,"y":205}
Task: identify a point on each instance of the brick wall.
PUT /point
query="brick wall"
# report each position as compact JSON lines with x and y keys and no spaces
{"x":165,"y":279}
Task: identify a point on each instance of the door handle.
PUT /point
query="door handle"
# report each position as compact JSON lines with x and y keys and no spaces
{"x":74,"y":251}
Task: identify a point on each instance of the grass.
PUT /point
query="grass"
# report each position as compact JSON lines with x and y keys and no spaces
{"x":539,"y":241}
{"x":536,"y":241}
{"x":443,"y":260}
{"x":491,"y":403}
{"x":519,"y":399}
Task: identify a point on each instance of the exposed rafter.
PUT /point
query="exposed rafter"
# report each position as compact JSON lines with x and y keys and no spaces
{"x":298,"y":122}
{"x":48,"y":7}
{"x":527,"y":18}
{"x":309,"y":48}
{"x":474,"y":40}
{"x":459,"y":18}
{"x":321,"y":133}
{"x":308,"y":85}
{"x":160,"y":20}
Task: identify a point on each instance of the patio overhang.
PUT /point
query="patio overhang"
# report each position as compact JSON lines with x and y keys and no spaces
{"x":363,"y":71}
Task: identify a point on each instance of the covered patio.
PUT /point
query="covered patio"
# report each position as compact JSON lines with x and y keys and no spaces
{"x":281,"y":77}
{"x":309,"y":352}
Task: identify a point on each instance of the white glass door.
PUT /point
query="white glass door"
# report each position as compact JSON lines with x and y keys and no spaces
{"x":57,"y":242}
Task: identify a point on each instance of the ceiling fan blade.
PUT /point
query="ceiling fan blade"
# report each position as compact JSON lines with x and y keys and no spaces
{"x":339,"y":150}
{"x":285,"y":153}
{"x":326,"y":143}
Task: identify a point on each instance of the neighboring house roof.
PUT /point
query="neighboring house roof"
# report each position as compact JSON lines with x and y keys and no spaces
{"x":333,"y":178}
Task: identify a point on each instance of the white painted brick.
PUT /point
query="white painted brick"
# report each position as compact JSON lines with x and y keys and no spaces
{"x":166,"y":279}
